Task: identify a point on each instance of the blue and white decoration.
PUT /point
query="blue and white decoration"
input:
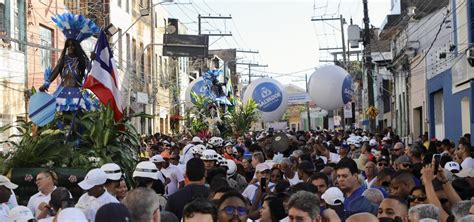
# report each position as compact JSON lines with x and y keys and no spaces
{"x":270,"y":96}
{"x":197,"y":86}
{"x":75,"y":27}
{"x":330,"y":87}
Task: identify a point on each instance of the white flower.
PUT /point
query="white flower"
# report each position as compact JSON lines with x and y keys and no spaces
{"x":50,"y":163}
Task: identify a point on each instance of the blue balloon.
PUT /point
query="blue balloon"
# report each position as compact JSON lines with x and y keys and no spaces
{"x":268,"y":96}
{"x":42,"y":108}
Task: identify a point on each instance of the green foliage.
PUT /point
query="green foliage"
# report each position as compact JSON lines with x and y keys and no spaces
{"x":98,"y":139}
{"x":242,"y":117}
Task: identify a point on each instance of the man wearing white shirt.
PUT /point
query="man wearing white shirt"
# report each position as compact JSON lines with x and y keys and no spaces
{"x":96,"y":195}
{"x":262,"y":170}
{"x":173,"y":173}
{"x":289,"y":174}
{"x":464,"y":153}
{"x":5,"y":192}
{"x":45,"y":181}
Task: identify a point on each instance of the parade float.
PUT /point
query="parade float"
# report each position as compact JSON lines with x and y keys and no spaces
{"x":81,"y":124}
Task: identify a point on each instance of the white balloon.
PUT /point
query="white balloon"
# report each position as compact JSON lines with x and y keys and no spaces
{"x":270,"y":96}
{"x":196,"y":86}
{"x":330,"y":87}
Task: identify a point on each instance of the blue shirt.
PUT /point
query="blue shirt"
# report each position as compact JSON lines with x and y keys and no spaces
{"x":357,"y":193}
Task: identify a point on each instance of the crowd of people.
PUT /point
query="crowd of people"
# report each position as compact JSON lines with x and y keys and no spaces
{"x":321,"y":176}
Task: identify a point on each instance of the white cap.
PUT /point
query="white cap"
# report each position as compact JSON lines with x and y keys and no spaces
{"x":4,"y":181}
{"x":20,"y":214}
{"x":261,"y":167}
{"x":452,"y":167}
{"x":157,"y":159}
{"x":94,"y":177}
{"x":166,"y":142}
{"x":385,"y":138}
{"x":373,"y":142}
{"x":198,"y":149}
{"x":146,"y":169}
{"x":72,"y":214}
{"x":112,"y":170}
{"x":333,"y":196}
{"x":229,"y":144}
{"x":209,"y":155}
{"x":467,"y":172}
{"x":196,"y":139}
{"x":231,"y":168}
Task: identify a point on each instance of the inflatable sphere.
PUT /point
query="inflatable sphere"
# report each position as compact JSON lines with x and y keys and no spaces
{"x":270,"y":96}
{"x":198,"y":86}
{"x":330,"y":87}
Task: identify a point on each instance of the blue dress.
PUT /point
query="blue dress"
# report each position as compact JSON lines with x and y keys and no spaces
{"x":72,"y":98}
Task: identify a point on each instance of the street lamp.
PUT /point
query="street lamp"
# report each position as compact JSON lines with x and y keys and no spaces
{"x":143,"y":12}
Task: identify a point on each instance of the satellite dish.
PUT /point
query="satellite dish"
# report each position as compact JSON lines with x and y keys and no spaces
{"x":280,"y":142}
{"x":170,"y":29}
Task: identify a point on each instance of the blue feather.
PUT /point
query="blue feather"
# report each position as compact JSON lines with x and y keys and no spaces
{"x":75,"y":27}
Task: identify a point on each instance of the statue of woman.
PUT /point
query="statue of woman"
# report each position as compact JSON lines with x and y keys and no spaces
{"x":72,"y":64}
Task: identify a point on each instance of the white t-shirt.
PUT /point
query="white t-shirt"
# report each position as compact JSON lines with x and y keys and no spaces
{"x":334,"y":158}
{"x":175,"y":175}
{"x":467,"y":163}
{"x":4,"y":211}
{"x":12,"y":202}
{"x":369,"y":183}
{"x":294,"y":180}
{"x":36,"y":200}
{"x":251,"y":190}
{"x":89,"y":204}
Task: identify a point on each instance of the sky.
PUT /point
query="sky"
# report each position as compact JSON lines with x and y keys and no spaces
{"x":280,"y":30}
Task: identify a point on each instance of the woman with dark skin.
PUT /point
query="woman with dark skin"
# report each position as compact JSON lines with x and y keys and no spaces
{"x":71,"y":65}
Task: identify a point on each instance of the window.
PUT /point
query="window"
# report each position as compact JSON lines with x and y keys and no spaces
{"x":120,"y":45}
{"x":3,"y":21}
{"x":46,"y":40}
{"x":465,"y":116}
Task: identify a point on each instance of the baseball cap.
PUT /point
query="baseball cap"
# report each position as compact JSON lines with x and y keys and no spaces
{"x":373,"y":142}
{"x":306,"y":166}
{"x":333,"y":196}
{"x":112,"y":170}
{"x":385,"y":139}
{"x":112,"y":212}
{"x":196,"y":139}
{"x":20,"y":214}
{"x":402,"y":159}
{"x":383,"y":158}
{"x":146,"y":169}
{"x":229,"y":144}
{"x":261,"y":167}
{"x":452,"y":166}
{"x":467,"y":172}
{"x":4,"y":181}
{"x":93,"y":178}
{"x":157,"y":159}
{"x":72,"y":214}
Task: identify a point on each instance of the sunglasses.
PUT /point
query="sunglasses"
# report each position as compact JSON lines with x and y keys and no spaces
{"x":406,"y":165}
{"x":421,"y":198}
{"x":229,"y":210}
{"x":383,"y":164}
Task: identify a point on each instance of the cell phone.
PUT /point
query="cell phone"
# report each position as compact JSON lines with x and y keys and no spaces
{"x":437,"y":158}
{"x":263,"y":183}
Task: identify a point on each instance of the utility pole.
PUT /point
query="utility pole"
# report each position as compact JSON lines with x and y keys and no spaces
{"x":344,"y":53}
{"x":251,"y":65}
{"x":368,"y":62}
{"x":212,"y":17}
{"x":307,"y":103}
